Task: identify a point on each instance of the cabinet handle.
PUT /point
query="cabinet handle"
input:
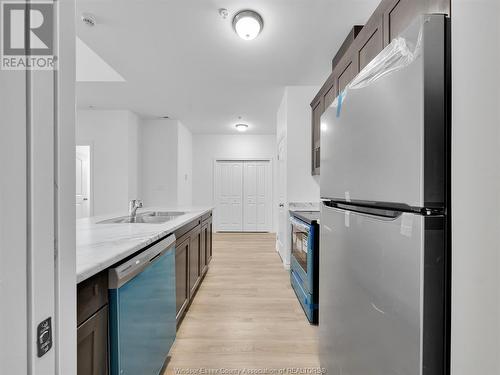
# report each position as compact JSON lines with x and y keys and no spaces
{"x":317,"y":157}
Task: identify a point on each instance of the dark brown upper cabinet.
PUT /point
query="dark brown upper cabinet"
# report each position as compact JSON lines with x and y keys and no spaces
{"x":360,"y":47}
{"x":398,"y":14}
{"x":317,"y":111}
{"x":346,"y":72}
{"x":349,"y":40}
{"x":370,"y":43}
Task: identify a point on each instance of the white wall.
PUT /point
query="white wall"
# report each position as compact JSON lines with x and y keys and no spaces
{"x":476,"y":187}
{"x":114,"y":137}
{"x":166,"y":163}
{"x":184,"y":166}
{"x":159,"y":162}
{"x":134,"y":156}
{"x":301,"y":185}
{"x":208,"y":148}
{"x":296,"y":184}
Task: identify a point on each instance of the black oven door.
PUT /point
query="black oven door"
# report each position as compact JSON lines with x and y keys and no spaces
{"x":300,"y":244}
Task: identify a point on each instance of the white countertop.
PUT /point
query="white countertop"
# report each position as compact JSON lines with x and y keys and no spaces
{"x":99,"y":246}
{"x":303,"y":206}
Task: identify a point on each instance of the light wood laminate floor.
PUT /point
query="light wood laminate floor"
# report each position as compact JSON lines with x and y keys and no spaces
{"x":245,"y":314}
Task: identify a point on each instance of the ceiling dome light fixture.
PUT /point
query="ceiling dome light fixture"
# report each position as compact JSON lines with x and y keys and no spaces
{"x":241,"y":127}
{"x":248,"y":24}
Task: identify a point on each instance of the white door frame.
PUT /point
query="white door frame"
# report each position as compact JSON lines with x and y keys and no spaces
{"x":229,"y":159}
{"x":37,"y":230}
{"x":91,"y":174}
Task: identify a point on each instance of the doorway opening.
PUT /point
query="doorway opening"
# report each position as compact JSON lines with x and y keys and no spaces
{"x":83,"y":181}
{"x":243,"y":196}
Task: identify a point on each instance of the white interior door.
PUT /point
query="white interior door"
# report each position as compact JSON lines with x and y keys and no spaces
{"x":257,"y":211}
{"x":229,"y":195}
{"x":82,"y":181}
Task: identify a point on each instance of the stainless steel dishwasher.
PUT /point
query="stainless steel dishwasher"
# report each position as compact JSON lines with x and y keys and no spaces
{"x":142,"y":310}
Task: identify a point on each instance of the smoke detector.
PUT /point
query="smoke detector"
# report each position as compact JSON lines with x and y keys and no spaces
{"x":88,"y":19}
{"x":223,"y":13}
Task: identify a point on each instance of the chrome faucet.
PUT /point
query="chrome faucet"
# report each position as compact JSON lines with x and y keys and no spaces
{"x":133,"y":205}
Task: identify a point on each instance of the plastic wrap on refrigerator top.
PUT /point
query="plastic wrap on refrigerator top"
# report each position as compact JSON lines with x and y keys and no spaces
{"x":400,"y":53}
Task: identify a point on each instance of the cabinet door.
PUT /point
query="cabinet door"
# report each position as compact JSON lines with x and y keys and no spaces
{"x":347,"y":73}
{"x":399,"y":15}
{"x":330,"y":96}
{"x":317,"y":111}
{"x":91,"y":295}
{"x":194,"y":259}
{"x":203,"y":249}
{"x":209,"y":241}
{"x":181,"y":275}
{"x":370,"y":44}
{"x":92,"y":337}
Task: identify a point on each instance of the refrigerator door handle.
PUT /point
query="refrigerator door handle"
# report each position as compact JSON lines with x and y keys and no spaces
{"x":376,"y":213}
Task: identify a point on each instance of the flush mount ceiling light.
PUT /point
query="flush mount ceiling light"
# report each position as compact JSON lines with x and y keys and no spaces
{"x":241,"y":127}
{"x":248,"y":24}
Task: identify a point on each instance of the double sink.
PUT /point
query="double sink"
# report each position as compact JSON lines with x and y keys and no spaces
{"x":149,"y":217}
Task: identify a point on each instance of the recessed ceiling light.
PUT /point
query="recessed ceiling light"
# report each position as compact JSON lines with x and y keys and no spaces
{"x":248,"y":24}
{"x":241,"y":127}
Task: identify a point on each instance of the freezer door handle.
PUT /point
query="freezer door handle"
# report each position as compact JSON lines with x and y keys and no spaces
{"x":377,"y":213}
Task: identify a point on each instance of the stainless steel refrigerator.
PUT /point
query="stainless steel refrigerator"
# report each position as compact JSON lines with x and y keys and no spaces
{"x":385,"y":249}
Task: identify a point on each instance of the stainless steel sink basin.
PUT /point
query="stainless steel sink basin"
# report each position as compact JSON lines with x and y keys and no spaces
{"x":150,"y":217}
{"x":173,"y":214}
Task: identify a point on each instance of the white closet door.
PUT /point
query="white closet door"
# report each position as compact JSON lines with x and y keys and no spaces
{"x":250,"y":197}
{"x":229,"y":187}
{"x":257,"y":197}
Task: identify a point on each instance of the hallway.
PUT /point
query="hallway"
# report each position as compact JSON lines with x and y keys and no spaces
{"x":245,"y":314}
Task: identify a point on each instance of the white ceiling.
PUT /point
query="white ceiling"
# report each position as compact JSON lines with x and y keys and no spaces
{"x":180,"y":58}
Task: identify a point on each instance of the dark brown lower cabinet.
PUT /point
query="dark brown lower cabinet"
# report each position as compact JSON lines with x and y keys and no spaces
{"x":92,"y":337}
{"x":92,"y":325}
{"x":209,"y":240}
{"x":203,"y":249}
{"x":193,"y":252}
{"x":194,"y":260}
{"x":182,"y":275}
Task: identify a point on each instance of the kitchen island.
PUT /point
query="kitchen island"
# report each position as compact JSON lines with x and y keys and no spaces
{"x":101,"y":246}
